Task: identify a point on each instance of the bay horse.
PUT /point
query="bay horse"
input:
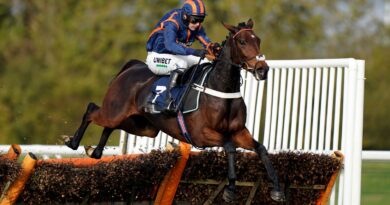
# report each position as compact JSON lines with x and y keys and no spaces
{"x":217,"y":122}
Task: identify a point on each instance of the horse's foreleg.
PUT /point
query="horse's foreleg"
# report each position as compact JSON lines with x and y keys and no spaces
{"x":229,"y":193}
{"x":245,"y":140}
{"x":74,"y":142}
{"x":276,"y":193}
{"x":98,"y":151}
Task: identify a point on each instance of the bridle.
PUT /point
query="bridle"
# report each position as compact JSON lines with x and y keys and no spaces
{"x":258,"y":57}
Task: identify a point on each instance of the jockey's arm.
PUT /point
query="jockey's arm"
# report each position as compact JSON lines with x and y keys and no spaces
{"x":203,"y":39}
{"x":170,"y":36}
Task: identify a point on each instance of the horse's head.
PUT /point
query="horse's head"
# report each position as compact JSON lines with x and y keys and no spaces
{"x":246,"y":49}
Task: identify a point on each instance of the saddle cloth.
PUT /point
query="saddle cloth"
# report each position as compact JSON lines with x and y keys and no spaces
{"x":191,"y":101}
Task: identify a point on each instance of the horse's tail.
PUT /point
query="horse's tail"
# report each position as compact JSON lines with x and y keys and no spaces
{"x":128,"y":65}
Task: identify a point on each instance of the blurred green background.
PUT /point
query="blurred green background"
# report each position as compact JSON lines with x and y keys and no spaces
{"x":56,"y":56}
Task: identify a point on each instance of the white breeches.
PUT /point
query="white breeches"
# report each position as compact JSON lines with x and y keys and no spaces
{"x":163,"y":64}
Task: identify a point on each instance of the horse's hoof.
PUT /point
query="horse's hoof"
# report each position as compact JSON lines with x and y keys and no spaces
{"x":278,"y":196}
{"x":66,"y":138}
{"x":89,"y":150}
{"x":96,"y":154}
{"x":92,"y":152}
{"x":171,"y":146}
{"x":68,"y":141}
{"x":229,"y":195}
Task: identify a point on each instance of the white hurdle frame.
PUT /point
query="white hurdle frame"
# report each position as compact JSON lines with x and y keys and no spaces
{"x":314,"y":121}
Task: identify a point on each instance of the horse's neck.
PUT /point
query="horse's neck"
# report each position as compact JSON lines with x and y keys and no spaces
{"x":225,"y":77}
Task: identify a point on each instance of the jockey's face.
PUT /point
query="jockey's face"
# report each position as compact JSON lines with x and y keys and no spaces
{"x":194,"y":22}
{"x":193,"y":26}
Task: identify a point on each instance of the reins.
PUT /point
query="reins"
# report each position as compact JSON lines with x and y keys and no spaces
{"x":225,"y":61}
{"x":214,"y":92}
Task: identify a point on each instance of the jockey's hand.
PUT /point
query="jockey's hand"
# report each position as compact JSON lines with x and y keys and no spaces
{"x":200,"y":52}
{"x":214,"y":49}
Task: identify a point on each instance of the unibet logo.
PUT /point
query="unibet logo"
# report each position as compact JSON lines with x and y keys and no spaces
{"x":162,"y":60}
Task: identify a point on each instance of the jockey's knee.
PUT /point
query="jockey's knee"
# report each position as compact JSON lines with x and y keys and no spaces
{"x":165,"y":64}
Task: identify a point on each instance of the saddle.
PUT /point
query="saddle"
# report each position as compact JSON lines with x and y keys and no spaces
{"x":191,"y":100}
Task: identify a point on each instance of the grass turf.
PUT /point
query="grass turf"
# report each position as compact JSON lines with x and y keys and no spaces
{"x":375,"y":183}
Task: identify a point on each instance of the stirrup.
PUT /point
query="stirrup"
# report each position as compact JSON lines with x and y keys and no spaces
{"x":170,"y":109}
{"x":168,"y":106}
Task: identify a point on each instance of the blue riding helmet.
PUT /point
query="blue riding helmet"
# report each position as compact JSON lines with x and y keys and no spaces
{"x":194,"y":8}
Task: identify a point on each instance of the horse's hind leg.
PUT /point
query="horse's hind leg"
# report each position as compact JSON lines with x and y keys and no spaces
{"x":229,"y":194}
{"x":74,"y":142}
{"x":98,"y":151}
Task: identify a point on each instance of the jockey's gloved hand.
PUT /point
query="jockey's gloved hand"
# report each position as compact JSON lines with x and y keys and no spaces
{"x":200,"y":52}
{"x":214,"y":49}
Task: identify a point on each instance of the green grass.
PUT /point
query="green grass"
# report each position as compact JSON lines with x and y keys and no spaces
{"x":375,"y":183}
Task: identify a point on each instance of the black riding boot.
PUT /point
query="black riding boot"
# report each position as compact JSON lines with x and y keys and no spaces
{"x":168,"y":101}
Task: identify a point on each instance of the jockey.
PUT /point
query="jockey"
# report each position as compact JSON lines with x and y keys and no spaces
{"x":168,"y":46}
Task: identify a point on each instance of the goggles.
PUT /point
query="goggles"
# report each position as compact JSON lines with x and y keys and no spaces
{"x":196,"y":19}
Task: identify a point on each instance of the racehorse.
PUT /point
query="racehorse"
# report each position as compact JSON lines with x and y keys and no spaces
{"x":217,"y":122}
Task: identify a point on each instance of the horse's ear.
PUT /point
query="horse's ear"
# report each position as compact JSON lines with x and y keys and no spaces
{"x":231,"y":28}
{"x":250,"y":23}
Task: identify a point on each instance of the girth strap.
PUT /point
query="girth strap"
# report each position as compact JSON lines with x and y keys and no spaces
{"x":183,"y":127}
{"x":184,"y":131}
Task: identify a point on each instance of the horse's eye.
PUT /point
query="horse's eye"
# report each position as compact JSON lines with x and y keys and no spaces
{"x":242,"y":42}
